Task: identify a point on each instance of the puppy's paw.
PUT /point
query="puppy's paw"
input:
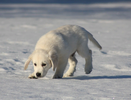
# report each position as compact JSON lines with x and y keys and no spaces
{"x":88,"y":69}
{"x":32,"y":76}
{"x":68,"y":75}
{"x":88,"y":72}
{"x":57,"y":77}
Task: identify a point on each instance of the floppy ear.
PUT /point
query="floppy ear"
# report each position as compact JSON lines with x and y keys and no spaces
{"x":27,"y":62}
{"x":54,"y":59}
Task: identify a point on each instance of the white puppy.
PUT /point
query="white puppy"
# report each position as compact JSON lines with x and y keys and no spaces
{"x":57,"y":47}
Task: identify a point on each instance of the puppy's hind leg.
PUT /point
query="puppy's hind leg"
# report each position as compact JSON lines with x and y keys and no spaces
{"x":86,"y":53}
{"x":88,"y":65}
{"x":72,"y":62}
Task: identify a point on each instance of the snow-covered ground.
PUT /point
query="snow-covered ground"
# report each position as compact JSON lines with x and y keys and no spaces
{"x":21,"y":25}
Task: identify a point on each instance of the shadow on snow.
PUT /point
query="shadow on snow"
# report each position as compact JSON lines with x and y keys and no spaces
{"x":99,"y":77}
{"x":60,"y":1}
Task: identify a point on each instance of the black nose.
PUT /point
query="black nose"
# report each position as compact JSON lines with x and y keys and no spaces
{"x":38,"y":74}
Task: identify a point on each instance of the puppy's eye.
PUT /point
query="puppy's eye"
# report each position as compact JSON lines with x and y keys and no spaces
{"x":35,"y":64}
{"x":43,"y":64}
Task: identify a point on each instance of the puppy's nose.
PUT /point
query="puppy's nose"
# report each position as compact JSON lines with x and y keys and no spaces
{"x":38,"y":74}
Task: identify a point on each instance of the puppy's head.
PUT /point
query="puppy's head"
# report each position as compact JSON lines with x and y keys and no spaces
{"x":42,"y":62}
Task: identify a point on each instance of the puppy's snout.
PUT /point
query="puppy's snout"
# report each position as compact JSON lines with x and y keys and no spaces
{"x":38,"y":74}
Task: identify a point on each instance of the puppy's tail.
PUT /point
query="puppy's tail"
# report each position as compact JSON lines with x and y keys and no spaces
{"x":93,"y":40}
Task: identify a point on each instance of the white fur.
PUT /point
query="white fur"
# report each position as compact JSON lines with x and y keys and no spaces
{"x":58,"y":47}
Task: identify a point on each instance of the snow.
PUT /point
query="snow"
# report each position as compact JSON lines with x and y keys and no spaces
{"x":21,"y":25}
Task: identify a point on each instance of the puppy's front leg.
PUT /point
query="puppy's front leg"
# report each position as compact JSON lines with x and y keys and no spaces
{"x":32,"y":76}
{"x":60,"y":69}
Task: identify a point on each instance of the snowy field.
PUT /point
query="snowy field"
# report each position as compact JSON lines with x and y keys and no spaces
{"x":21,"y":25}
